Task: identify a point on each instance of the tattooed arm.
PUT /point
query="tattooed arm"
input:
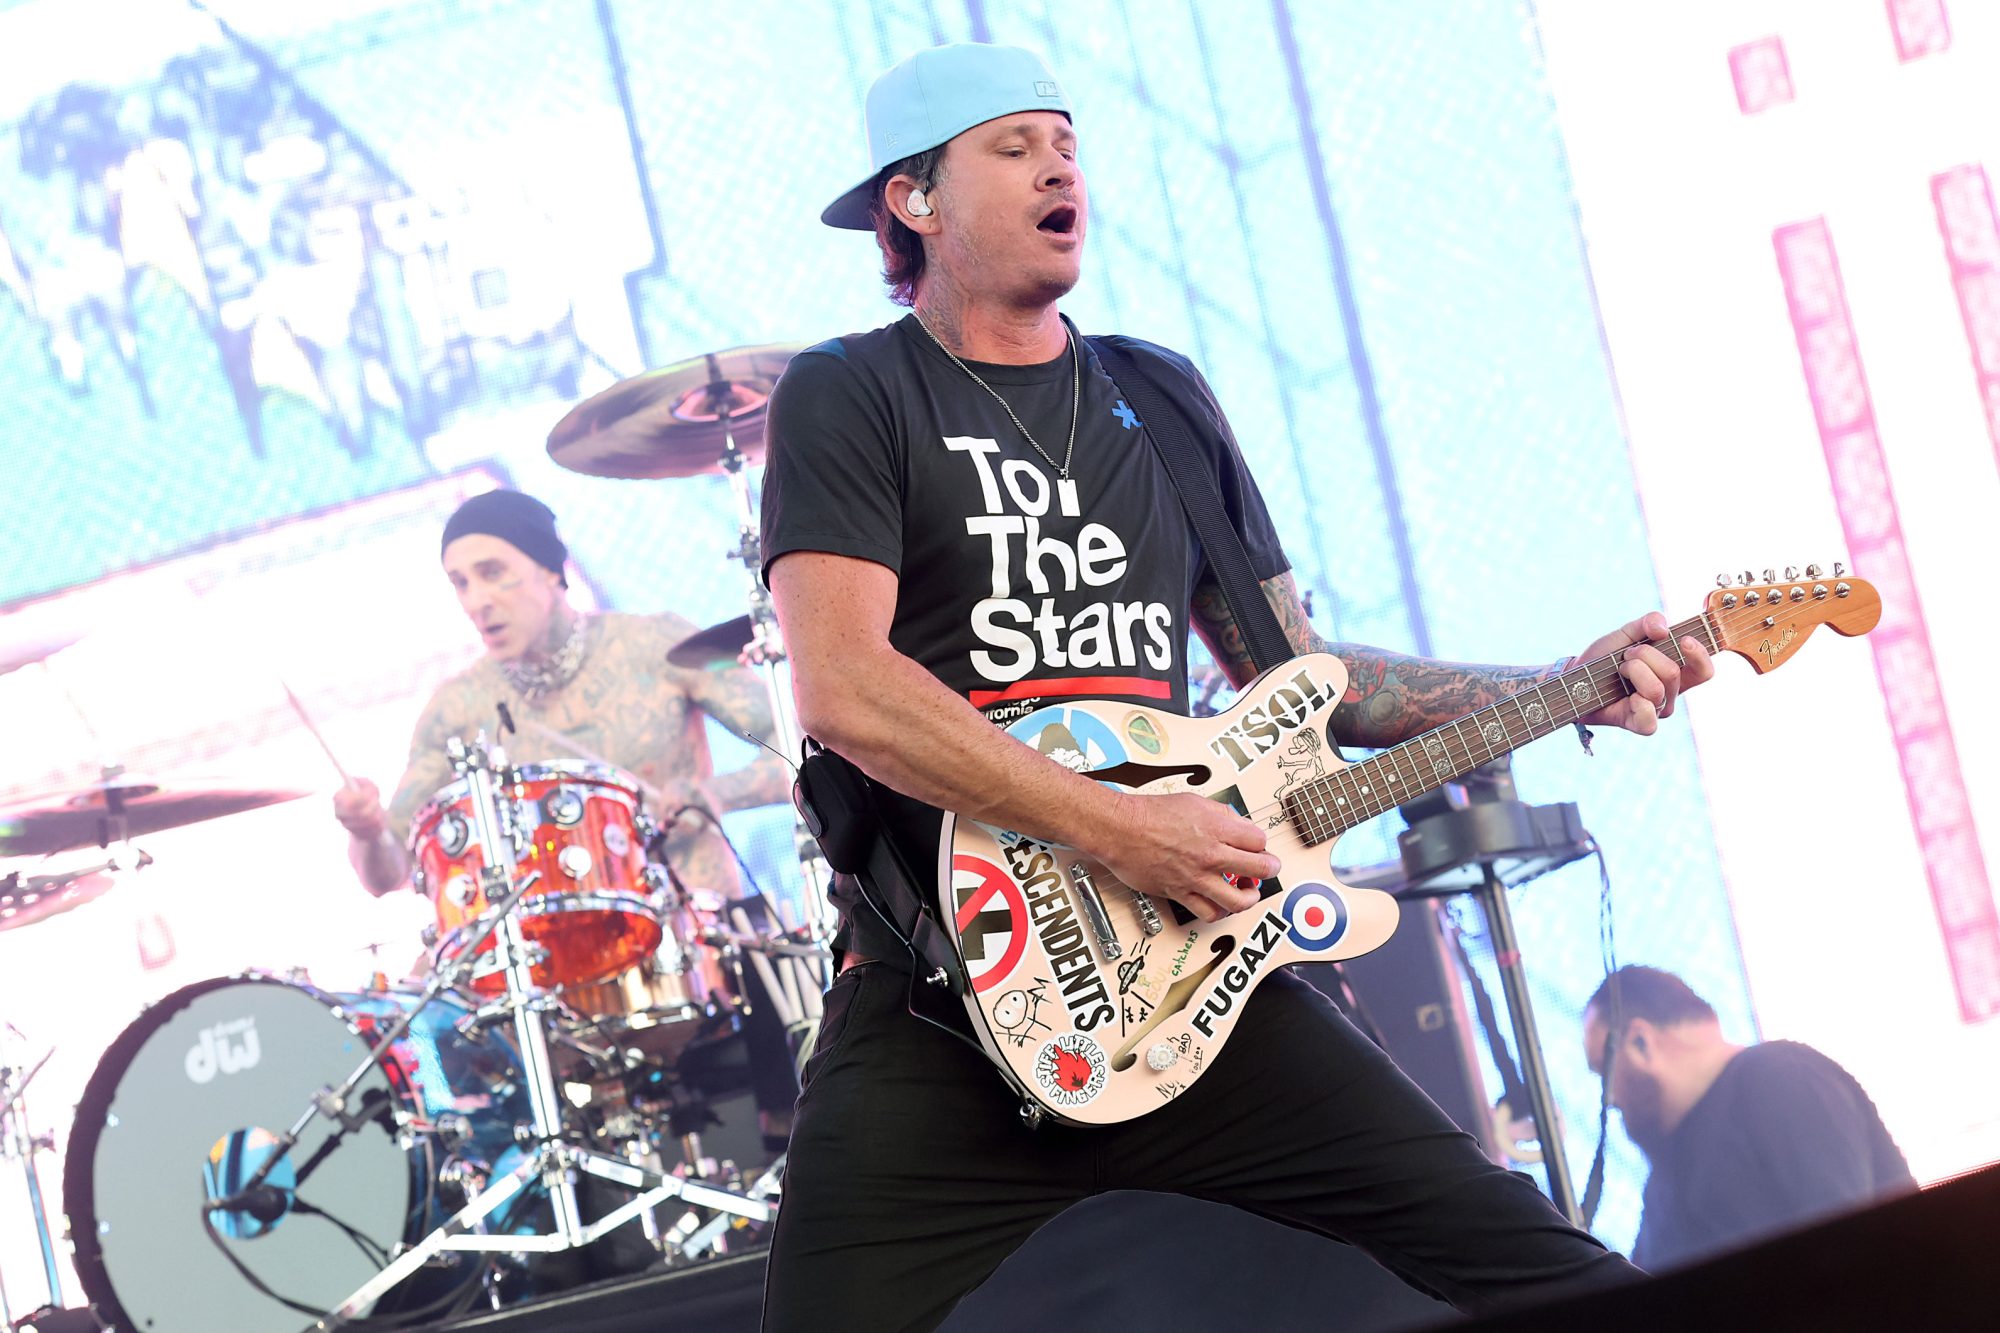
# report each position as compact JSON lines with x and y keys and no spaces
{"x":736,"y":698}
{"x":1391,"y":697}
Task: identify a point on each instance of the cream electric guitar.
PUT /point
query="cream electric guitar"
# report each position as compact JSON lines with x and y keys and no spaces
{"x":1099,"y":1003}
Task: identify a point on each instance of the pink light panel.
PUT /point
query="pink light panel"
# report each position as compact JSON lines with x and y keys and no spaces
{"x":1971,"y":230}
{"x":1922,"y":28}
{"x":1932,"y":780}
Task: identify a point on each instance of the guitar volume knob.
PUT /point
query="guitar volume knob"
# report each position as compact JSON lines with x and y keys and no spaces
{"x":1161,"y":1055}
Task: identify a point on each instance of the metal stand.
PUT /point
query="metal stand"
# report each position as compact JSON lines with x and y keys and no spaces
{"x":555,"y":1162}
{"x":1492,"y":898}
{"x":17,"y":1141}
{"x":768,"y":645}
{"x":1481,"y":842}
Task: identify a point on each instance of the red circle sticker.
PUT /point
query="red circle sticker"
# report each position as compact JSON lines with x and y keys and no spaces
{"x":991,"y":920}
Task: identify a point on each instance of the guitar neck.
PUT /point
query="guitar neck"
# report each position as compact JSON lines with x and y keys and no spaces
{"x":1324,"y":809}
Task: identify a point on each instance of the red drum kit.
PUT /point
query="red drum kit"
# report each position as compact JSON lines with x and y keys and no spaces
{"x":590,"y":911}
{"x":370,"y":1152}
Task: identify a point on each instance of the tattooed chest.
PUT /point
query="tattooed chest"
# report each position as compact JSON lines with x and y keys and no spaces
{"x":643,"y":730}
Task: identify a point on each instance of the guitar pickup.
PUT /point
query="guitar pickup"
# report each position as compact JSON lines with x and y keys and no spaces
{"x":1093,"y":911}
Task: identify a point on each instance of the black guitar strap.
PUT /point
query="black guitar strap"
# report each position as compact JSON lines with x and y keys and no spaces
{"x":1168,"y":427}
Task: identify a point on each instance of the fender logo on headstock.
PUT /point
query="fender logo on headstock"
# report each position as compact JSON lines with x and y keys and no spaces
{"x":1769,"y":651}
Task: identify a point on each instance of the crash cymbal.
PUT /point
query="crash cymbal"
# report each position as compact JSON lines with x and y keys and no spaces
{"x":669,"y":422}
{"x":26,"y":899}
{"x":25,"y":645}
{"x":717,"y":645}
{"x":86,"y":816}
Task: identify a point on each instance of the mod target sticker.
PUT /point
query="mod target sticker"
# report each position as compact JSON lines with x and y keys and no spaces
{"x":1317,"y":915}
{"x":1071,"y":1069}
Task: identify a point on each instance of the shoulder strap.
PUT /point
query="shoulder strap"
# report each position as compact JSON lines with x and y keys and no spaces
{"x":1167,"y":426}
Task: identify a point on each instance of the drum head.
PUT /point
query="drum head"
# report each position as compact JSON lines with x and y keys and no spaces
{"x":192,"y":1082}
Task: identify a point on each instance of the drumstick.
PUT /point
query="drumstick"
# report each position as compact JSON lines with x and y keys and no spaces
{"x":306,"y":718}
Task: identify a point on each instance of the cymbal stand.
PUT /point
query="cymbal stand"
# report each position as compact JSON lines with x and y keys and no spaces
{"x":17,"y":1141}
{"x":555,"y":1162}
{"x":769,"y":644}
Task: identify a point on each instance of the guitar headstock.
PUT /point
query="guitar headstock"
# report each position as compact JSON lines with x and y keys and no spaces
{"x":1768,"y":621}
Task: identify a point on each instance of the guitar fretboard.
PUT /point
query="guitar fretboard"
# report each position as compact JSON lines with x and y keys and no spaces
{"x":1324,"y":809}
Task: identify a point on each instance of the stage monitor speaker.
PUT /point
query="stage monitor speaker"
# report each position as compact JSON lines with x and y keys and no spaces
{"x":1411,"y":995}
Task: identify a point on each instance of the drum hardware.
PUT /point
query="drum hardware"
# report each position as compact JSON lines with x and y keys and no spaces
{"x":699,"y":417}
{"x":333,"y":1102}
{"x":768,"y":1185}
{"x":553,"y":1161}
{"x":433,"y":1096}
{"x":17,"y":1141}
{"x":28,"y":898}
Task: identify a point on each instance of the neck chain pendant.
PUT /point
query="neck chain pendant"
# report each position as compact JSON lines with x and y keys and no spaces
{"x":552,"y":673}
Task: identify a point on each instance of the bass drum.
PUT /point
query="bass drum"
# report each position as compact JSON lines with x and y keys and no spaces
{"x":188,"y":1102}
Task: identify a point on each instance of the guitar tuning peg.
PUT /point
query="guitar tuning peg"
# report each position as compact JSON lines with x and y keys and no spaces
{"x":1791,"y":573}
{"x":1722,"y":580}
{"x":1838,"y":569}
{"x":1770,"y":576}
{"x":1812,"y":571}
{"x":1746,"y":578}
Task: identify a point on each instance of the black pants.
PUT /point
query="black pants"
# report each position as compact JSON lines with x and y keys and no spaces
{"x":911,"y":1175}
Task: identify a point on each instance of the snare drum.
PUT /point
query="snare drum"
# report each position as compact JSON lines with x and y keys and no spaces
{"x":591,"y":911}
{"x":187,"y":1104}
{"x":686,"y":991}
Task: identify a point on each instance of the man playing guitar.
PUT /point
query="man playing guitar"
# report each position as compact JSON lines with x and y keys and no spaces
{"x":963,"y":518}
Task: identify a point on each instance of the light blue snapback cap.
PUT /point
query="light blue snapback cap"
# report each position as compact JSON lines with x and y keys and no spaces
{"x":935,"y":96}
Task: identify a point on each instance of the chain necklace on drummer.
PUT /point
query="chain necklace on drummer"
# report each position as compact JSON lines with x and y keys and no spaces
{"x":552,"y":672}
{"x":1075,"y":396}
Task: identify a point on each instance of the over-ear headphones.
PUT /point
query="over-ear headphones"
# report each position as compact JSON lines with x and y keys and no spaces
{"x":920,"y":207}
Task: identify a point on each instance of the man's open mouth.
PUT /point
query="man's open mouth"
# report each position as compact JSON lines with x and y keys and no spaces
{"x":1061,"y":220}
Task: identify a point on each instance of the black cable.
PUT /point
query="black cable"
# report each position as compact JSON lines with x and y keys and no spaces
{"x":1607,"y":942}
{"x":256,"y":1283}
{"x":749,"y":876}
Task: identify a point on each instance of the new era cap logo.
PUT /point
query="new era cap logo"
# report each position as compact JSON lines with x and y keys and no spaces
{"x":1043,"y":88}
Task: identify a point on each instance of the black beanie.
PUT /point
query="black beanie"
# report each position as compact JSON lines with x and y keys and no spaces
{"x":519,"y":519}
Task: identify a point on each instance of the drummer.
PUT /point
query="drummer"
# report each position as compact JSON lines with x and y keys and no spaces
{"x":577,"y":686}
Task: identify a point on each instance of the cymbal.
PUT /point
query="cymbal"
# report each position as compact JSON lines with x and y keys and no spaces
{"x":26,"y":899}
{"x":25,"y":647}
{"x":62,"y":821}
{"x":717,"y":645}
{"x":669,"y":422}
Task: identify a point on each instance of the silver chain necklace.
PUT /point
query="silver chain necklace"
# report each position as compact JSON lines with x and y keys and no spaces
{"x":553,"y":672}
{"x":1075,"y":396}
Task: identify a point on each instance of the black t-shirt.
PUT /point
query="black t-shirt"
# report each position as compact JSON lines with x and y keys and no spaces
{"x":1784,"y":1136}
{"x":1014,"y":586}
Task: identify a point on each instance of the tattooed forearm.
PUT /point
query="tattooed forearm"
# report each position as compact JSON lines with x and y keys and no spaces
{"x":737,"y":699}
{"x":763,"y":781}
{"x":1389,"y":698}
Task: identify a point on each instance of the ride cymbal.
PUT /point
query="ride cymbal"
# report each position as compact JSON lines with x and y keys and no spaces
{"x":670,"y":422}
{"x":87,"y":816}
{"x":715,"y":646}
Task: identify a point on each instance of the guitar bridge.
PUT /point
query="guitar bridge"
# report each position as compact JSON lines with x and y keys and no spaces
{"x":1093,"y":911}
